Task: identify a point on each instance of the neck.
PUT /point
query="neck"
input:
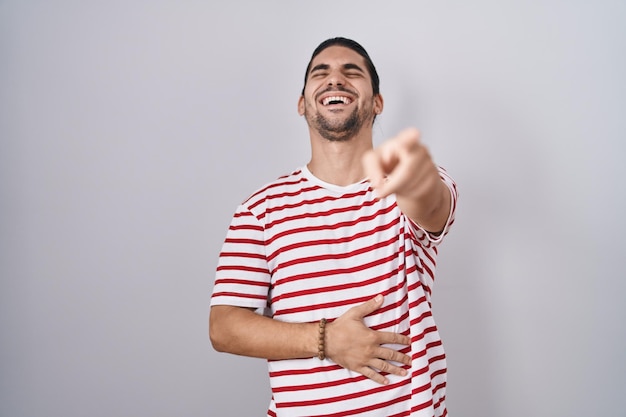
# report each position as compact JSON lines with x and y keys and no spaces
{"x":339,"y":163}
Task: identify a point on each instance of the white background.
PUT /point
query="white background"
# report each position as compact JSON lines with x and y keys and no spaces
{"x":129,"y":132}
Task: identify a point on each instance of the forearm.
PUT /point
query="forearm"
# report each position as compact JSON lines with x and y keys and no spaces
{"x":430,"y":208}
{"x":241,"y":331}
{"x":348,"y":342}
{"x":403,"y":166}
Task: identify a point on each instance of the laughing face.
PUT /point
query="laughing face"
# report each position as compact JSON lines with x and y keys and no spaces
{"x":338,"y":99}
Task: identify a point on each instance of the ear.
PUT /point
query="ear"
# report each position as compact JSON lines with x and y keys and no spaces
{"x":378,"y":104}
{"x":301,"y":106}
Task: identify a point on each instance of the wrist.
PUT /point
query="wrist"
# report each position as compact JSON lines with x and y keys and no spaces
{"x":321,"y":339}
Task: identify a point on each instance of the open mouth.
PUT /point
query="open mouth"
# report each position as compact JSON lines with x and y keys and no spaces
{"x":330,"y":100}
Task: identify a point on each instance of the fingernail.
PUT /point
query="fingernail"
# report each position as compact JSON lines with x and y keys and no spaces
{"x":378,"y":298}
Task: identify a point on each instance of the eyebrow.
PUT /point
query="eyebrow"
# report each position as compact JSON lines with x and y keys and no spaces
{"x":348,"y":66}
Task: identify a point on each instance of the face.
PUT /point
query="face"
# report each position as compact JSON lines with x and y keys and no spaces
{"x":338,"y":100}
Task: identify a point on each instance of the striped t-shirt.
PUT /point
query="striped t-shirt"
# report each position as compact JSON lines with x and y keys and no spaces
{"x":302,"y":250}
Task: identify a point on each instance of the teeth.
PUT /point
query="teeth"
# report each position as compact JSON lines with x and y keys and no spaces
{"x":328,"y":100}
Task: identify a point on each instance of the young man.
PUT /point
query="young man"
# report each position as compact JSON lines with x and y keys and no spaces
{"x":341,"y":255}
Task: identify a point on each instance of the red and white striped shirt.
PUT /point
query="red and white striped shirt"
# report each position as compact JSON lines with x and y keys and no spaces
{"x":304,"y":250}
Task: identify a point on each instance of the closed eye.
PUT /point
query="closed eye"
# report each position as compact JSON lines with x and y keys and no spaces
{"x":320,"y":70}
{"x":353,"y":70}
{"x":318,"y":74}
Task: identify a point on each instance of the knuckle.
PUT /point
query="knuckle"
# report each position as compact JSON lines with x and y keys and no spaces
{"x":368,"y":373}
{"x":371,"y":338}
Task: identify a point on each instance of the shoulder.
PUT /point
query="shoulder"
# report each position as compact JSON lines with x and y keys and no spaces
{"x":284,"y":186}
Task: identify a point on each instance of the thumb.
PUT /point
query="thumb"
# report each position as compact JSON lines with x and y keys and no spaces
{"x":367,"y":307}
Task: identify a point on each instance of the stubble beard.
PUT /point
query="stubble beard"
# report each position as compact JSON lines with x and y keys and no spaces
{"x":340,"y":130}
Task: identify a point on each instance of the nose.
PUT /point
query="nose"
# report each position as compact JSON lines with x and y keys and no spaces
{"x":336,"y":78}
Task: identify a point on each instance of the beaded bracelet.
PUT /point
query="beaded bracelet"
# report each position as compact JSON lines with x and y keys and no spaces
{"x":321,"y":352}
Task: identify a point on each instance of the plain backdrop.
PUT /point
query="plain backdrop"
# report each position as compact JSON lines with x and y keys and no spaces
{"x":130,"y":131}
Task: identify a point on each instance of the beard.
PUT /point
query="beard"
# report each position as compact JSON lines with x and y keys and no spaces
{"x":340,"y":130}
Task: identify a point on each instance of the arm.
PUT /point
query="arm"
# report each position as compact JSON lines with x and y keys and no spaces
{"x":402,"y":165}
{"x":241,"y":331}
{"x":348,"y":341}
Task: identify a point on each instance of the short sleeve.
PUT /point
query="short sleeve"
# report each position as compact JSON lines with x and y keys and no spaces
{"x":242,"y":277}
{"x":420,"y":232}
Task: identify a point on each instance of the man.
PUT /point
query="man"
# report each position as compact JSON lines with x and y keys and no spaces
{"x":341,"y":256}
